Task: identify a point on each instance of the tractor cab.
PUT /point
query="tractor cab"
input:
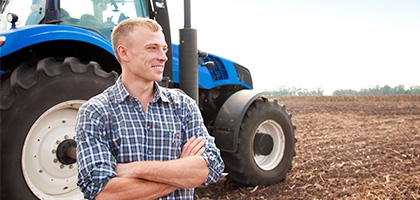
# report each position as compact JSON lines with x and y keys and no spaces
{"x":100,"y":16}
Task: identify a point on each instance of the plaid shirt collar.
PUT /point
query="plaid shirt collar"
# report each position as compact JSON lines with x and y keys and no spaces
{"x":121,"y":93}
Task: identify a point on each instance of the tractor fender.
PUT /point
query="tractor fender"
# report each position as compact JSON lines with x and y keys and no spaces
{"x":20,"y":38}
{"x":229,"y":118}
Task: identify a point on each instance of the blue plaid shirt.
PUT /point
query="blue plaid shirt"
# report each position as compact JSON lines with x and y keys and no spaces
{"x":112,"y":128}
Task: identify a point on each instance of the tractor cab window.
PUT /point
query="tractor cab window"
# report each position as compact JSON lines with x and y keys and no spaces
{"x":29,"y":12}
{"x":98,"y":15}
{"x":37,"y":12}
{"x":101,"y":15}
{"x":3,"y":4}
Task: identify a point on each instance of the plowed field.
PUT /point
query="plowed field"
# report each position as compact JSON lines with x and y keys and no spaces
{"x":348,"y":148}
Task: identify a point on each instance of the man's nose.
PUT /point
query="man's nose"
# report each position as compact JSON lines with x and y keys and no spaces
{"x":162,"y":56}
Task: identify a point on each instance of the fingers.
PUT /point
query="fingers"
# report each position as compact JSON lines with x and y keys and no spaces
{"x":197,"y":145}
{"x":201,"y":151}
{"x":194,"y":146}
{"x":191,"y":140}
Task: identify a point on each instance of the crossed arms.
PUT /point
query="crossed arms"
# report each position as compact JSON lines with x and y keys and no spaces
{"x":153,"y":179}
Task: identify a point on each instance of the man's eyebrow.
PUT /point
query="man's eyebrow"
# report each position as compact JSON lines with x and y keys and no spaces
{"x":157,"y":44}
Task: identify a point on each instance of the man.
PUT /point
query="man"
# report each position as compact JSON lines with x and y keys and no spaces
{"x":138,"y":140}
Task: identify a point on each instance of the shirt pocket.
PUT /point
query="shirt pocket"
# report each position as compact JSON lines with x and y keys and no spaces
{"x":172,"y":140}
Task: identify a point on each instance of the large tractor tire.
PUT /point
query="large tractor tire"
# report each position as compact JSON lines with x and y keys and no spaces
{"x":39,"y":104}
{"x":266,"y":145}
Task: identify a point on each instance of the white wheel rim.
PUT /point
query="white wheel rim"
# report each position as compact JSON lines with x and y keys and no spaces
{"x":44,"y":174}
{"x":272,"y":160}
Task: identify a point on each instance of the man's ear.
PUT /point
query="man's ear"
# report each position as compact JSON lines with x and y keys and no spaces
{"x":122,"y":52}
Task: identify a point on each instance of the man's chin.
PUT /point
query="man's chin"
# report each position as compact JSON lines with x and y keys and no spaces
{"x":161,"y":79}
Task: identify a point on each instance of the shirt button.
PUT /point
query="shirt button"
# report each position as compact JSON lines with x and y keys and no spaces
{"x":149,"y":152}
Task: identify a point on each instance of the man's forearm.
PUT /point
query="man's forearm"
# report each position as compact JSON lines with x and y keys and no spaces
{"x":132,"y":188}
{"x":188,"y":172}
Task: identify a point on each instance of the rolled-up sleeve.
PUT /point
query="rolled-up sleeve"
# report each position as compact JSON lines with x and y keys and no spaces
{"x":96,"y":164}
{"x":211,"y":155}
{"x":214,"y":161}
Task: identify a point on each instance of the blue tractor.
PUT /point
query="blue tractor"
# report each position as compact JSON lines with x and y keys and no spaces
{"x":56,"y":54}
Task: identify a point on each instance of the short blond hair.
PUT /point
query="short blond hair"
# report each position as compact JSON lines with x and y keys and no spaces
{"x":122,"y":34}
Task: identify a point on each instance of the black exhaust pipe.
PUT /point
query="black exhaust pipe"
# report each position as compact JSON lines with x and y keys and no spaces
{"x":188,"y":54}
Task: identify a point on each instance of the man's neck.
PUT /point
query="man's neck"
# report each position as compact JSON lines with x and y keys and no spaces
{"x":143,"y":91}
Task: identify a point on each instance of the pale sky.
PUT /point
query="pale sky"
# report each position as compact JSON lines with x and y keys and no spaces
{"x":328,"y":44}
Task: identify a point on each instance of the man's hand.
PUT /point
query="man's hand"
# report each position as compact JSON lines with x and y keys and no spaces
{"x":194,"y":146}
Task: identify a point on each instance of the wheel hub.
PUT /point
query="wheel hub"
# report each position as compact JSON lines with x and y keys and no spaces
{"x":263,"y":144}
{"x":66,"y":152}
{"x":269,"y":145}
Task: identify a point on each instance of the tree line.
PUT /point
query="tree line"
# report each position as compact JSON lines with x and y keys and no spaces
{"x":377,"y":90}
{"x":380,"y":90}
{"x":293,"y":91}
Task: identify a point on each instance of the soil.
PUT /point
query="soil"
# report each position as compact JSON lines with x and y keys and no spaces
{"x":347,"y":149}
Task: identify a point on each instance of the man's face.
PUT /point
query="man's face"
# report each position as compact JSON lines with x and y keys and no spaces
{"x":147,"y":55}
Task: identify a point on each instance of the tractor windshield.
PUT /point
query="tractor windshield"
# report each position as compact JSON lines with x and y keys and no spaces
{"x":98,"y":15}
{"x":28,"y":11}
{"x":101,"y":15}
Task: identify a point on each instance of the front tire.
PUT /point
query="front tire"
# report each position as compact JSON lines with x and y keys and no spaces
{"x":39,"y":105}
{"x":265,"y":145}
